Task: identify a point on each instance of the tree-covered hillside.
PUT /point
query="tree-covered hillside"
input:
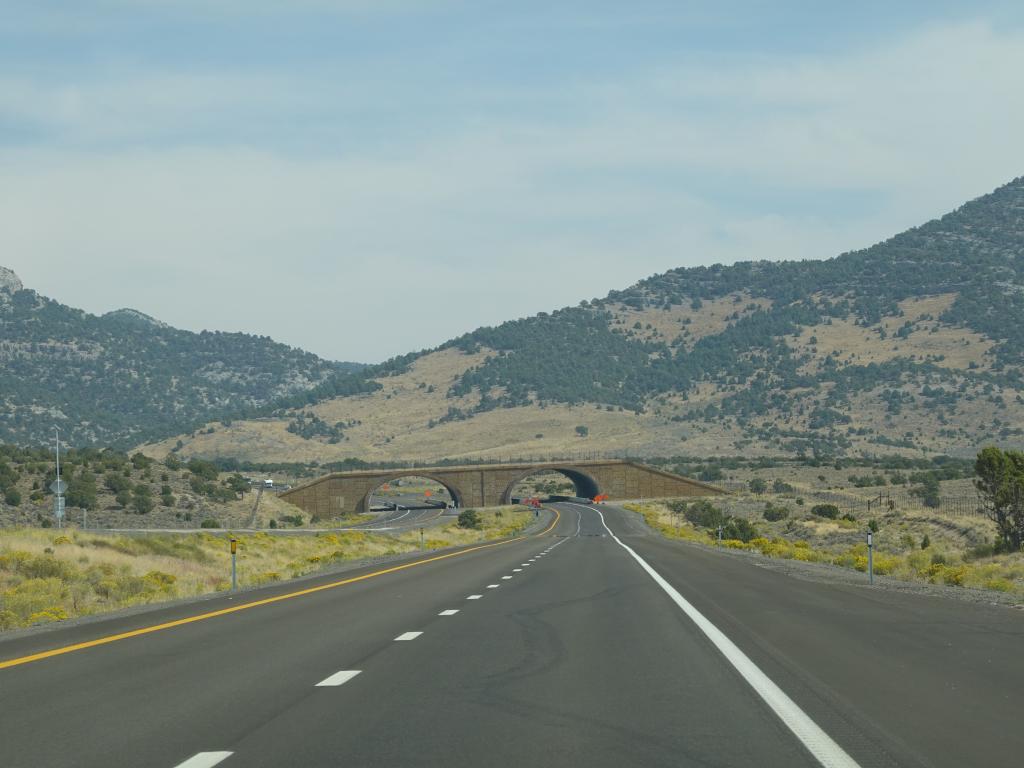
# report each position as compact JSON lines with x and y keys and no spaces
{"x":582,"y":354}
{"x":122,"y":378}
{"x":912,"y":345}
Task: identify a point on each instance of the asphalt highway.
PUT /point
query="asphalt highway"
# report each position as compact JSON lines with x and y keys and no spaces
{"x":596,"y":643}
{"x":404,"y":517}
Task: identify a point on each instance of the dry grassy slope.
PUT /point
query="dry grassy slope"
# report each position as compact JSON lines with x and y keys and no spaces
{"x":682,"y":321}
{"x":395,"y":422}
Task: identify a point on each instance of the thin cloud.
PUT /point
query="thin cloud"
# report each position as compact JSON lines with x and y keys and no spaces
{"x":156,"y":191}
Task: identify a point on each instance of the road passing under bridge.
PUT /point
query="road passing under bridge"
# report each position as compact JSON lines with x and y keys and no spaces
{"x":596,"y":643}
{"x":490,"y":485}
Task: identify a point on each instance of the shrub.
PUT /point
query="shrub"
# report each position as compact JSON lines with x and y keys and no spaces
{"x":677,"y":506}
{"x":980,"y":551}
{"x":873,"y":525}
{"x":209,"y":523}
{"x":704,"y":514}
{"x":468,"y":518}
{"x":780,"y":486}
{"x":925,"y":542}
{"x":142,"y":500}
{"x":739,"y":529}
{"x":116,"y":482}
{"x":205,"y":470}
{"x":12,"y":497}
{"x":758,"y":485}
{"x":295,"y":520}
{"x":773,"y":514}
{"x":831,"y":511}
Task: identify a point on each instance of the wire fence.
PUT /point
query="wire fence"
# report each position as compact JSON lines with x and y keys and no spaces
{"x":901,"y":501}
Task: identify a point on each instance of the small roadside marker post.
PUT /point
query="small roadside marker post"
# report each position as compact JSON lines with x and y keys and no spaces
{"x":719,"y":535}
{"x":422,"y":544}
{"x":234,"y":570}
{"x":871,"y":569}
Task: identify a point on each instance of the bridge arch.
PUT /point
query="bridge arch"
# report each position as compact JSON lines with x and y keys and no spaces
{"x":585,"y":484}
{"x":453,"y":490}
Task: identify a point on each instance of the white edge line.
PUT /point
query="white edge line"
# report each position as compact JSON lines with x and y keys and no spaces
{"x":338,"y":678}
{"x":204,"y":759}
{"x":818,"y":743}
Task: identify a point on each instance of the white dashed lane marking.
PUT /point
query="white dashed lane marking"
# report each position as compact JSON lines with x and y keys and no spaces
{"x":474,"y":597}
{"x":338,"y":678}
{"x":204,"y":760}
{"x":493,"y":586}
{"x":517,"y":570}
{"x":506,"y":577}
{"x":449,"y":612}
{"x":408,"y":636}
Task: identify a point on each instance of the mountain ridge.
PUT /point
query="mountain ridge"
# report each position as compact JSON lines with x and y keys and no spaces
{"x":914,"y":344}
{"x":122,"y":377}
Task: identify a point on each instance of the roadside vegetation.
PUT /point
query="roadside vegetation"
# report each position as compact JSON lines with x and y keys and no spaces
{"x":48,"y":575}
{"x":917,"y":548}
{"x":983,"y":550}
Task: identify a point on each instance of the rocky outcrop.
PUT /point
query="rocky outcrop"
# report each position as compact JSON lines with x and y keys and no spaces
{"x":9,"y":282}
{"x":128,"y":315}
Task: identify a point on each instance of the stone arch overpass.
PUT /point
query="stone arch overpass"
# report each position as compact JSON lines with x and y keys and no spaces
{"x":489,"y":485}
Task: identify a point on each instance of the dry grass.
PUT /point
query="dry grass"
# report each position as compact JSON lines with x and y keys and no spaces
{"x":48,"y":576}
{"x":395,"y":422}
{"x":681,"y":320}
{"x":858,"y":345}
{"x":956,"y":555}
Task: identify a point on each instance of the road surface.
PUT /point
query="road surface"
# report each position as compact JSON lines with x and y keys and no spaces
{"x":576,"y":647}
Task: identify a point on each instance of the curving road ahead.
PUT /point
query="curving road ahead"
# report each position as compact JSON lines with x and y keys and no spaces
{"x":593,"y":644}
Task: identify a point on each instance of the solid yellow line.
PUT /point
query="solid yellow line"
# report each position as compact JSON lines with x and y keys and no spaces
{"x":245,"y":606}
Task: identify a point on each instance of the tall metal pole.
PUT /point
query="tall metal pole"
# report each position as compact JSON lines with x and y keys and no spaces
{"x":871,"y":569}
{"x":58,"y":506}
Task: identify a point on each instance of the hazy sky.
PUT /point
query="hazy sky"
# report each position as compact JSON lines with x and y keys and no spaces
{"x":362,"y":178}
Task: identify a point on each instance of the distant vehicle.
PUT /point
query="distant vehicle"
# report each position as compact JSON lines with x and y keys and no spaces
{"x":268,"y":483}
